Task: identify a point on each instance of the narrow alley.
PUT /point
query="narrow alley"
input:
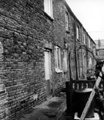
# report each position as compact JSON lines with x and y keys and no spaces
{"x":47,"y":59}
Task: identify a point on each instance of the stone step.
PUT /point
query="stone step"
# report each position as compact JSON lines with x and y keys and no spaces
{"x":96,"y":117}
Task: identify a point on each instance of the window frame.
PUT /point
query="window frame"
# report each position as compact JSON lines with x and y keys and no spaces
{"x":65,"y":60}
{"x":48,"y":7}
{"x":58,"y":63}
{"x":47,"y":64}
{"x":77,"y":32}
{"x":89,"y":43}
{"x":84,"y":39}
{"x":90,"y":62}
{"x":66,"y":21}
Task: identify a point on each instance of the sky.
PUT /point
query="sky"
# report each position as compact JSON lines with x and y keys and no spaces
{"x":91,"y":15}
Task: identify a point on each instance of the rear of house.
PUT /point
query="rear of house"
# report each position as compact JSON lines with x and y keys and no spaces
{"x":36,"y":39}
{"x":31,"y":61}
{"x":24,"y":31}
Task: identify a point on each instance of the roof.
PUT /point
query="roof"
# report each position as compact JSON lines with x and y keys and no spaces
{"x":71,"y":12}
{"x":100,"y":57}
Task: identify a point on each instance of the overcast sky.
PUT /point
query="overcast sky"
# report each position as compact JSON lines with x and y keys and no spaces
{"x":91,"y":15}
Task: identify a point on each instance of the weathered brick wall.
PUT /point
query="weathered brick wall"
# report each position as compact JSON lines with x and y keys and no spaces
{"x":24,"y":28}
{"x":61,"y":36}
{"x":71,"y":37}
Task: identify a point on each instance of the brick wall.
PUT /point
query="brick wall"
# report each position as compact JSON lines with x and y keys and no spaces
{"x":24,"y":28}
{"x":61,"y":35}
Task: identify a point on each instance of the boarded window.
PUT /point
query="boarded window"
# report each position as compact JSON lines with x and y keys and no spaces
{"x":65,"y":62}
{"x":58,"y":65}
{"x":66,"y":21}
{"x":47,"y":55}
{"x":77,"y":32}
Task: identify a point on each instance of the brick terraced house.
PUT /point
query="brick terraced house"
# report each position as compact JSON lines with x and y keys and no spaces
{"x":100,"y":49}
{"x":36,"y":38}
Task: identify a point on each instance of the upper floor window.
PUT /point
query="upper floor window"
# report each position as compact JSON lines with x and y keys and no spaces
{"x":89,"y":43}
{"x":94,"y":49}
{"x":90,"y":62}
{"x":48,"y":7}
{"x":84,"y":41}
{"x":77,"y":32}
{"x":58,"y":65}
{"x":65,"y":62}
{"x":66,"y":21}
{"x":47,"y":56}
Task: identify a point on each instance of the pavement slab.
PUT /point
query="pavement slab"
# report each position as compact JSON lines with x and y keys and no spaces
{"x":48,"y":110}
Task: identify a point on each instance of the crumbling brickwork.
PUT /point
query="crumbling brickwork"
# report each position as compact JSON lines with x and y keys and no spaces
{"x":23,"y":30}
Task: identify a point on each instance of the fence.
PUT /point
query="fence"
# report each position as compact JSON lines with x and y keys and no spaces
{"x":81,"y":84}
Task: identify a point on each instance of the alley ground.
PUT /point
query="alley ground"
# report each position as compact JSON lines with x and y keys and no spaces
{"x":52,"y":109}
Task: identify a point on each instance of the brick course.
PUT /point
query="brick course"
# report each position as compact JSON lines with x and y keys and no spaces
{"x":23,"y":30}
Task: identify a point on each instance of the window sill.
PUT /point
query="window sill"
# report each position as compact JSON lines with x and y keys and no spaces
{"x":67,"y":31}
{"x":50,"y":17}
{"x":65,"y":71}
{"x":58,"y":70}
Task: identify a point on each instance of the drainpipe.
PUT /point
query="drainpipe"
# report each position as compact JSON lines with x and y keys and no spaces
{"x":75,"y":52}
{"x":69,"y":91}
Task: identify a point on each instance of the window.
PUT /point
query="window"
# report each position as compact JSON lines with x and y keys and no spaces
{"x":48,"y":7}
{"x":57,"y":59}
{"x":90,"y":62}
{"x":84,"y":64}
{"x":78,"y":63}
{"x":94,"y":49}
{"x":47,"y":55}
{"x":89,"y":43}
{"x":84,"y":41}
{"x":66,"y":21}
{"x":77,"y":32}
{"x":65,"y":62}
{"x":98,"y":53}
{"x":1,"y":50}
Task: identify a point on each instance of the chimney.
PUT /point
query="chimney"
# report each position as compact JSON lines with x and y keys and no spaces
{"x":99,"y":43}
